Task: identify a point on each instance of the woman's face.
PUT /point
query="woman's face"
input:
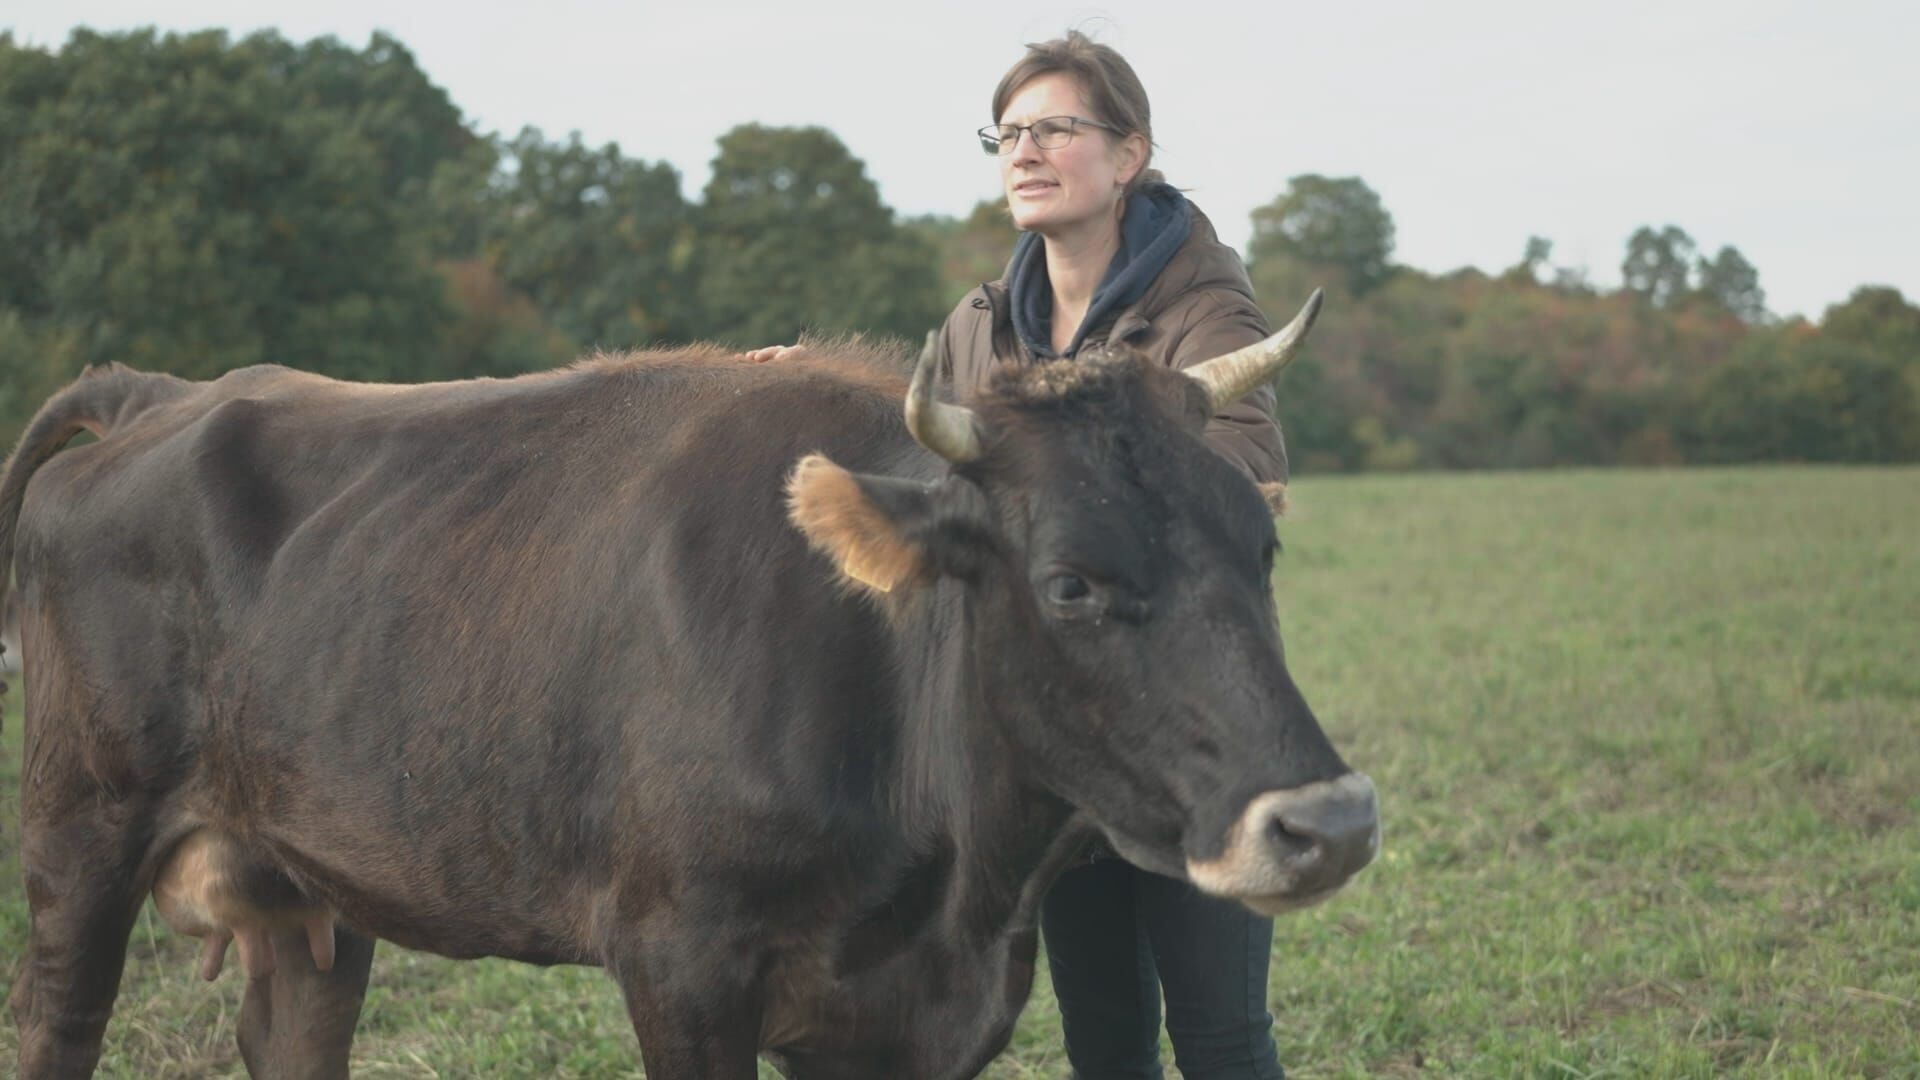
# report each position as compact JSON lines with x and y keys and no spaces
{"x":1063,"y":190}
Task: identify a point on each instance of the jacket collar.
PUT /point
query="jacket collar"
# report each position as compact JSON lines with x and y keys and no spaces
{"x":1201,"y":262}
{"x":1155,"y":227}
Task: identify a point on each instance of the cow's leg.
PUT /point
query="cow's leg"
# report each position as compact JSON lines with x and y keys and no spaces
{"x":696,"y":1019}
{"x":299,"y":1021}
{"x":83,"y":895}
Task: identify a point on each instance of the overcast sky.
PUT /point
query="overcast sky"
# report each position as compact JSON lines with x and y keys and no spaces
{"x":1790,"y":130}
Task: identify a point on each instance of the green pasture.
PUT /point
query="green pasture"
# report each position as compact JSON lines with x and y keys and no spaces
{"x":1648,"y":749}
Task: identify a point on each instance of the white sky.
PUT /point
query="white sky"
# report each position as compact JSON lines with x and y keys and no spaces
{"x":1790,"y":130}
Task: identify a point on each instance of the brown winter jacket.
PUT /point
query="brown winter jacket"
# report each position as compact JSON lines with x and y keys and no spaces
{"x":1199,"y":307}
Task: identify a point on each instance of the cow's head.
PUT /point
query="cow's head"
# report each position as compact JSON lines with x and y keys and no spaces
{"x":1119,"y":607}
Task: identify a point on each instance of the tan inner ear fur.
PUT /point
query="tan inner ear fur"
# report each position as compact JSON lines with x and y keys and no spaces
{"x":826,"y":503}
{"x":1276,"y":495}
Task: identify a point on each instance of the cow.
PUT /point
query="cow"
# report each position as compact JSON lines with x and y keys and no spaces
{"x":781,"y":692}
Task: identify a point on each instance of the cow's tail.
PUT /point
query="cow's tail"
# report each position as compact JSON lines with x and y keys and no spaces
{"x":100,"y":400}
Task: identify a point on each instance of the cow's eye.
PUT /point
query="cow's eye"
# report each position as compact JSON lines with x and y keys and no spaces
{"x":1068,"y":588}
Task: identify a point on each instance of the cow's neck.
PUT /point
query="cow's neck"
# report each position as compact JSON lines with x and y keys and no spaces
{"x":965,"y":795}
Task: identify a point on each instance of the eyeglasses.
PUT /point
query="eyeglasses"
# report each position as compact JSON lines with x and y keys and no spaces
{"x":1049,"y":133}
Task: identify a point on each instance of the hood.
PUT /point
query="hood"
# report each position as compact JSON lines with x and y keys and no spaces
{"x":1155,"y":227}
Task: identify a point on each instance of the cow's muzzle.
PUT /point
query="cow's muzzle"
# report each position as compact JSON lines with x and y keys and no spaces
{"x":1295,"y":847}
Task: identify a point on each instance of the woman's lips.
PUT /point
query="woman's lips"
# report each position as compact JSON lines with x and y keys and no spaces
{"x":1034,"y":187}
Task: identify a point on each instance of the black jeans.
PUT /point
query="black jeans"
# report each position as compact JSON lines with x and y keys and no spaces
{"x":1117,"y":936}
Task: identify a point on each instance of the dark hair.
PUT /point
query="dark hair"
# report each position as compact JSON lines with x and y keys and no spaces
{"x":1111,"y":88}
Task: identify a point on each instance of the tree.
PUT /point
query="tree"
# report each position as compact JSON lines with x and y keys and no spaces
{"x":1729,"y":280}
{"x":1879,"y":318}
{"x":191,"y":204}
{"x":1332,"y":222}
{"x":1797,"y":395}
{"x":793,"y":236}
{"x":1533,"y":264}
{"x":498,"y":330}
{"x":599,"y":241}
{"x":971,"y":250}
{"x":35,"y":361}
{"x":1657,"y":264}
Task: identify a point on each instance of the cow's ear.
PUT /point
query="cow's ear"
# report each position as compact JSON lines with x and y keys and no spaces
{"x":1276,"y":495}
{"x":884,"y":533}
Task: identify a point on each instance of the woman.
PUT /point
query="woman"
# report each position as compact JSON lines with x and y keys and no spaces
{"x":1109,"y":252}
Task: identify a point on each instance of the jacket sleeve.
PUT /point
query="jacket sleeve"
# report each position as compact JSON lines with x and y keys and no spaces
{"x":1245,"y":433}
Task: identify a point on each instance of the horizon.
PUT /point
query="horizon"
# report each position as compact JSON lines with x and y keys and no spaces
{"x":1659,"y":117}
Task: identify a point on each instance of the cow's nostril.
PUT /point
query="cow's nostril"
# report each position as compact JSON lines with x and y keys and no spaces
{"x":1287,"y":844}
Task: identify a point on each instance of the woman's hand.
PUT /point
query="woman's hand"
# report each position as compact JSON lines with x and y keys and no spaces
{"x":773,"y":352}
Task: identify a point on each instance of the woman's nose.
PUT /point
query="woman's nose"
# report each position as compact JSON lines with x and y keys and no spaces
{"x":1025,"y":148}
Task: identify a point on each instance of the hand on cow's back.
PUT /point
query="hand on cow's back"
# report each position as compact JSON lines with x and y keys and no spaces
{"x":773,"y":352}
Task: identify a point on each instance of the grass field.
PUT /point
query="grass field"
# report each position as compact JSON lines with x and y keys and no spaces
{"x":1648,"y":749}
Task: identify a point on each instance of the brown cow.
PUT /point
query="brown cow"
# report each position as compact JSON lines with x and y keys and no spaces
{"x":547,"y":668}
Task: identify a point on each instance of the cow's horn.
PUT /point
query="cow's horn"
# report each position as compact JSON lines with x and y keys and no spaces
{"x":1228,"y":378}
{"x":948,"y":430}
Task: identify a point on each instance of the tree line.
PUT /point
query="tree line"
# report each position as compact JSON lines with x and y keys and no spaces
{"x":193,"y":203}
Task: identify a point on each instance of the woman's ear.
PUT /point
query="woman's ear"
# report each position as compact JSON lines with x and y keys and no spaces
{"x":1130,"y":156}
